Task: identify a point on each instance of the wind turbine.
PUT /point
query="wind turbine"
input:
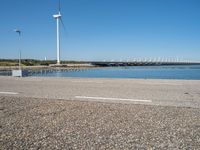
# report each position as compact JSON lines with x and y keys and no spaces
{"x":19,"y":32}
{"x":58,"y":20}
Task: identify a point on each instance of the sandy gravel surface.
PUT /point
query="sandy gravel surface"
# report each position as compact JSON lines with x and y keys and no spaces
{"x":30,"y":123}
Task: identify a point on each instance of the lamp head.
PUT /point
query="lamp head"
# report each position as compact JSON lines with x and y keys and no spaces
{"x":18,"y":31}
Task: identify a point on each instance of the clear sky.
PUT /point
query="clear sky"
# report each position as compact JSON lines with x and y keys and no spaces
{"x":102,"y":29}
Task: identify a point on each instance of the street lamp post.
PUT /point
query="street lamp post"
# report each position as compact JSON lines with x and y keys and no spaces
{"x":19,"y":33}
{"x":19,"y":72}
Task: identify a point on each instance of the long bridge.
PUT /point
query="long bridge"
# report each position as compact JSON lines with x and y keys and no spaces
{"x":143,"y":63}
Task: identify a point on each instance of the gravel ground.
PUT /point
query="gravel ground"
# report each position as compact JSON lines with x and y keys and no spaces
{"x":30,"y":123}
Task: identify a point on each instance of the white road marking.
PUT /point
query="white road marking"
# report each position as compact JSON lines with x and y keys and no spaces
{"x":108,"y":98}
{"x":163,"y":83}
{"x":86,"y":82}
{"x":12,"y":93}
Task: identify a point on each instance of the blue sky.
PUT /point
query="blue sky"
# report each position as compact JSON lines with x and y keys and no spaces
{"x":102,"y":29}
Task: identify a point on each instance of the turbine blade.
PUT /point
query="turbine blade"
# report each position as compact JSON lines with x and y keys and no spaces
{"x":59,"y":5}
{"x":62,"y":23}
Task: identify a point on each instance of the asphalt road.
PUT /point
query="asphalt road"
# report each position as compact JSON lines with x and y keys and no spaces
{"x":77,"y":113}
{"x":182,"y":93}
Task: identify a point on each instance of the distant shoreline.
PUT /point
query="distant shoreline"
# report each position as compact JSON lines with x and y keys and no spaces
{"x":33,"y":63}
{"x":69,"y":66}
{"x":65,"y":66}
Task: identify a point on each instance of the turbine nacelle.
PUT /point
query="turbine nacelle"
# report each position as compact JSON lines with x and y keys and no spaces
{"x":57,"y":15}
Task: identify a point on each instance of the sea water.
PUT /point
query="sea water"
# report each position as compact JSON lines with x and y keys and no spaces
{"x":188,"y":72}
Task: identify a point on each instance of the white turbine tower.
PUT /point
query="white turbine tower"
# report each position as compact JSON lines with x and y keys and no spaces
{"x":58,"y":19}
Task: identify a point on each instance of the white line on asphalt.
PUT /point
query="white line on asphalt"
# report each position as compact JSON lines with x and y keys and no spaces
{"x":86,"y":82}
{"x":12,"y":93}
{"x":108,"y":98}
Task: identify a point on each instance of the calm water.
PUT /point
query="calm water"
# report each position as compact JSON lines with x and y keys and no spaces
{"x":190,"y":72}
